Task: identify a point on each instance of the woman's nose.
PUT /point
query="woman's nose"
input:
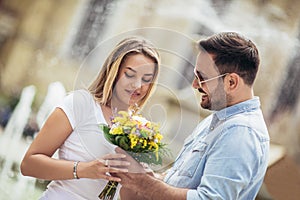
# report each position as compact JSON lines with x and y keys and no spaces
{"x":137,"y":83}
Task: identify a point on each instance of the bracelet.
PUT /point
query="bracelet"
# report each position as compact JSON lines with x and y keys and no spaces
{"x":75,"y":170}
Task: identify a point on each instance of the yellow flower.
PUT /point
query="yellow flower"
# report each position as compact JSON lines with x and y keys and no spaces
{"x":133,"y":140}
{"x":129,"y":123}
{"x":148,"y":125}
{"x":133,"y":143}
{"x":117,"y":130}
{"x":124,"y":114}
{"x":145,"y":143}
{"x":153,"y":145}
{"x":120,"y":120}
{"x":158,"y":136}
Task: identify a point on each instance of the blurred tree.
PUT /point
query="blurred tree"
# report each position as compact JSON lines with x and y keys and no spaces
{"x":92,"y":26}
{"x":8,"y":27}
{"x":288,"y":94}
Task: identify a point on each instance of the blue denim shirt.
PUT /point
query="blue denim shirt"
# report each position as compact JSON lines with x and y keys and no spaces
{"x":232,"y":165}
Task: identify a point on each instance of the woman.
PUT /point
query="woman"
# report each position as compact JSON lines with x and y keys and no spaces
{"x":85,"y":157}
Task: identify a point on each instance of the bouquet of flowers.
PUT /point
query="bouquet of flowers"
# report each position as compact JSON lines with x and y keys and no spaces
{"x":136,"y":135}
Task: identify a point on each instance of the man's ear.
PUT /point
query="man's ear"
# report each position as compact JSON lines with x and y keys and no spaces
{"x":231,"y":81}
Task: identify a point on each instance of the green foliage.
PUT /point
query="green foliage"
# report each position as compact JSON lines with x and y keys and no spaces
{"x":139,"y":153}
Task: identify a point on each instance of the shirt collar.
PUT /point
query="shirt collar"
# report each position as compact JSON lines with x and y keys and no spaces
{"x":251,"y":104}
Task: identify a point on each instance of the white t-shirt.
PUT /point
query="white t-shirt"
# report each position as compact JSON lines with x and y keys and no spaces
{"x":85,"y":143}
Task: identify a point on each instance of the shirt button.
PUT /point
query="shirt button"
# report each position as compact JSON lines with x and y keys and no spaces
{"x":211,"y":128}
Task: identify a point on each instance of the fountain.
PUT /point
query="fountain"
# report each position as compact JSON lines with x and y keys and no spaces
{"x":55,"y":94}
{"x":12,"y":148}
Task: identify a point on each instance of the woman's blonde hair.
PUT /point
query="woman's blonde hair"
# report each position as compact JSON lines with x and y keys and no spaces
{"x":102,"y":87}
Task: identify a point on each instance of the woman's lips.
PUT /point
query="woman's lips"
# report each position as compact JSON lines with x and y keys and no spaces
{"x":133,"y":93}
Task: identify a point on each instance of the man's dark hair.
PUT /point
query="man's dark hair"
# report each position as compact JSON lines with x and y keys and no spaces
{"x":233,"y":53}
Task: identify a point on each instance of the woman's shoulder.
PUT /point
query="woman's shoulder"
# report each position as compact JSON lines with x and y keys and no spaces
{"x":82,"y":92}
{"x":80,"y":95}
{"x":79,"y":99}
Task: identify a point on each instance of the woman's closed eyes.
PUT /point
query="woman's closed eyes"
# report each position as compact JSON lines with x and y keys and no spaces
{"x":146,"y":78}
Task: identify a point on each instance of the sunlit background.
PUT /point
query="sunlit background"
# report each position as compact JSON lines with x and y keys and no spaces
{"x":51,"y":47}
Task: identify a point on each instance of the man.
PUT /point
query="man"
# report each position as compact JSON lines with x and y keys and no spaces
{"x":226,"y":156}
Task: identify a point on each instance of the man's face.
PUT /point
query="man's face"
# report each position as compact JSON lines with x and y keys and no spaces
{"x":208,"y":83}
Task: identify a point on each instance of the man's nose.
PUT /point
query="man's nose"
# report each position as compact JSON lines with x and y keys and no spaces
{"x":195,"y":83}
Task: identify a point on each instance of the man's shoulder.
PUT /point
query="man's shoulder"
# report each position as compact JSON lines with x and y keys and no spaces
{"x":250,"y":118}
{"x":250,"y":123}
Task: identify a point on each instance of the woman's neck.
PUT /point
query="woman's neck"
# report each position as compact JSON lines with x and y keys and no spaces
{"x":116,"y":105}
{"x":107,"y":113}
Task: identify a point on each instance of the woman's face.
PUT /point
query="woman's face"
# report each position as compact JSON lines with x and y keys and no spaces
{"x":133,"y":81}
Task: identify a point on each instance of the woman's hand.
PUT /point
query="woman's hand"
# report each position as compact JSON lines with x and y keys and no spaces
{"x":103,"y":167}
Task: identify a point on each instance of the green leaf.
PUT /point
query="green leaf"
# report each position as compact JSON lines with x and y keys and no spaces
{"x":117,"y":139}
{"x":123,"y":143}
{"x":104,"y":128}
{"x":138,"y":146}
{"x":109,"y":137}
{"x":144,"y":134}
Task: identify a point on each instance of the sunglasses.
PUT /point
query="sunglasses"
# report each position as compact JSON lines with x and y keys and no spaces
{"x":210,"y":79}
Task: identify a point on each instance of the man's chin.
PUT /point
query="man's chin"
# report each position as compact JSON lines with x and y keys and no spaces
{"x":205,"y":105}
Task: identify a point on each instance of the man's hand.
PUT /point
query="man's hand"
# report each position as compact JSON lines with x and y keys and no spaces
{"x":134,"y":167}
{"x":136,"y":171}
{"x":141,"y":185}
